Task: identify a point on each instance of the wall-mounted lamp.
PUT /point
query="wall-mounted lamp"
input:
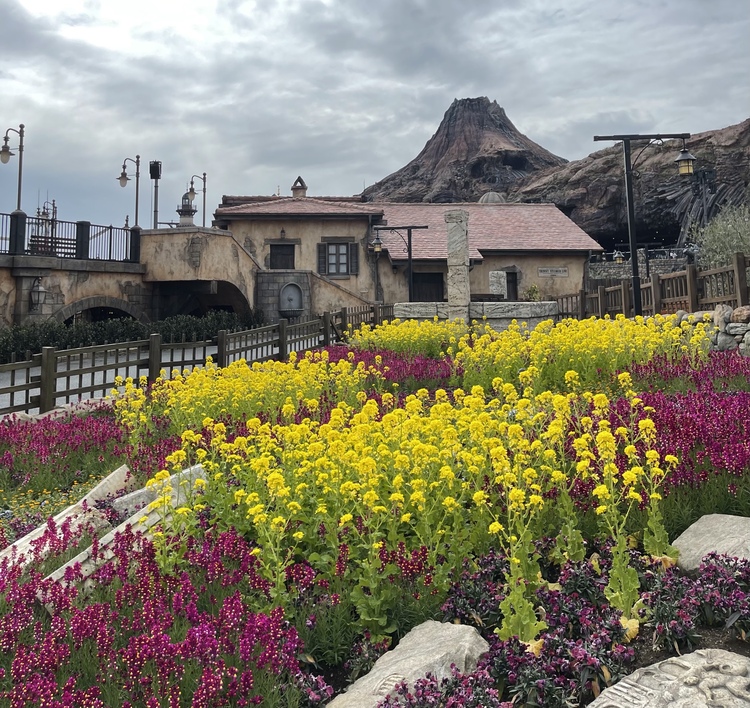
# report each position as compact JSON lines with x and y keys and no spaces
{"x":376,"y":244}
{"x":618,"y":256}
{"x":37,"y":295}
{"x":282,"y":233}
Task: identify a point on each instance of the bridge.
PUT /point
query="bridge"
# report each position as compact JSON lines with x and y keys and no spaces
{"x":53,"y":269}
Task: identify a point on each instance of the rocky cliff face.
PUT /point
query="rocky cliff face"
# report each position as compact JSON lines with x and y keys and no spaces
{"x":592,"y":191}
{"x":476,"y":149}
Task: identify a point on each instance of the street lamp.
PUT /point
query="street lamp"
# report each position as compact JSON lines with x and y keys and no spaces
{"x":684,"y":162}
{"x":377,"y":246}
{"x":124,"y":179}
{"x":191,"y":193}
{"x":6,"y":154}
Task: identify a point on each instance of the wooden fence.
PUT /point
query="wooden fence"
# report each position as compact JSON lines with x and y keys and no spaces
{"x":691,"y":290}
{"x":57,"y":377}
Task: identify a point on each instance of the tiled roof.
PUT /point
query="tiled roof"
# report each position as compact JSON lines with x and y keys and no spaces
{"x":492,"y":227}
{"x":301,"y":206}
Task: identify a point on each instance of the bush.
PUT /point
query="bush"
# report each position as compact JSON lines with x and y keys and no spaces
{"x":726,"y":234}
{"x":18,"y":341}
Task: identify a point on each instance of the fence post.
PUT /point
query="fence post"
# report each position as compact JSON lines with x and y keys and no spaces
{"x":283,"y":344}
{"x":17,"y":240}
{"x":154,"y":357}
{"x":221,"y":349}
{"x":581,"y":304}
{"x":691,"y":274}
{"x":326,"y":329}
{"x":377,"y":315}
{"x":47,"y":380}
{"x":740,"y":279}
{"x":135,"y":244}
{"x":344,"y":321}
{"x":656,"y":292}
{"x":83,"y":237}
{"x":602,"y":301}
{"x":625,"y":287}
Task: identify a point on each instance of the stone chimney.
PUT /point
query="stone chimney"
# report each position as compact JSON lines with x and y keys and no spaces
{"x":299,"y":188}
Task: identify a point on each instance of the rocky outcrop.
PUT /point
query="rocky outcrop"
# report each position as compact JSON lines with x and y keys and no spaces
{"x":476,"y":149}
{"x":591,"y":191}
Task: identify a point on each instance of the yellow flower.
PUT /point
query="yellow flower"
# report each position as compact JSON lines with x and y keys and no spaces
{"x":345,"y":519}
{"x":495,"y":527}
{"x":298,"y":535}
{"x":405,"y":518}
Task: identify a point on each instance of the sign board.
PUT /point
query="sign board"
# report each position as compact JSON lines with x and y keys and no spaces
{"x":499,"y":283}
{"x":552,"y":272}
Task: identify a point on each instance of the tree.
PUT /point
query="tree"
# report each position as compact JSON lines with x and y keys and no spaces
{"x":726,"y":234}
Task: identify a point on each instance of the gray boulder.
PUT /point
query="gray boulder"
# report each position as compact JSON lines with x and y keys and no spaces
{"x":432,"y":647}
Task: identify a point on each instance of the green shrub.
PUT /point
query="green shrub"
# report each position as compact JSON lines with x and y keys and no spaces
{"x":20,"y":341}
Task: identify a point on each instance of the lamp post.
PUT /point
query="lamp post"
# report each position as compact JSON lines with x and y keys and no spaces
{"x":6,"y":154}
{"x":685,"y":163}
{"x":191,"y":193}
{"x":407,"y":242}
{"x":124,"y":179}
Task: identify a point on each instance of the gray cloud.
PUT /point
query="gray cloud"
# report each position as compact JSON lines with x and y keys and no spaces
{"x":347,"y":91}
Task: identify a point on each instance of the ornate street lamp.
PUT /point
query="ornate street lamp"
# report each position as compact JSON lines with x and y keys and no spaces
{"x":684,"y":162}
{"x":191,"y":193}
{"x":6,"y":154}
{"x":124,"y":179}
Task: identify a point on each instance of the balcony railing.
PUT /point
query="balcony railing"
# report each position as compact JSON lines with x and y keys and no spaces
{"x":43,"y":236}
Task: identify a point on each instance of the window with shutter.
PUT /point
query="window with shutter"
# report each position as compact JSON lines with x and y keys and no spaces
{"x":354,"y":258}
{"x":322,"y":258}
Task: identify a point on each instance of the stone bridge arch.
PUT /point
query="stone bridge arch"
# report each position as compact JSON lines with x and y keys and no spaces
{"x":89,"y":303}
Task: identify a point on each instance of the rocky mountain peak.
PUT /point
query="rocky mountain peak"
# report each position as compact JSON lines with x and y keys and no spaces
{"x":476,"y":149}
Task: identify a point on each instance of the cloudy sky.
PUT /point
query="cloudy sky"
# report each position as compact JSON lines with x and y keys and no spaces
{"x":342,"y":92}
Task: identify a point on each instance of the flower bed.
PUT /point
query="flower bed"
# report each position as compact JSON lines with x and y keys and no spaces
{"x":352,"y":494}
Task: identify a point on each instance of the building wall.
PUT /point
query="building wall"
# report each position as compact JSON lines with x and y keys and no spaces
{"x":554,"y":274}
{"x":257,"y":236}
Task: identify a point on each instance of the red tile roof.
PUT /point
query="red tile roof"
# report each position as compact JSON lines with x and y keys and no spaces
{"x":300,"y":206}
{"x":492,"y":227}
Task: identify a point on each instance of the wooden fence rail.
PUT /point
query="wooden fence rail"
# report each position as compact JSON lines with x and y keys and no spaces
{"x":691,"y":290}
{"x":56,"y":377}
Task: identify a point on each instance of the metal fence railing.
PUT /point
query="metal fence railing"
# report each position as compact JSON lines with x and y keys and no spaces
{"x":46,"y":236}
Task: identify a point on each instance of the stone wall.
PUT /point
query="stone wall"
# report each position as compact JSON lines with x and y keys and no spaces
{"x":498,"y":315}
{"x":731,"y":327}
{"x":623,"y":271}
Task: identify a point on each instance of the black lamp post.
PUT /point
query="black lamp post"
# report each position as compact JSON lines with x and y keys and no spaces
{"x":684,"y":162}
{"x":124,"y":179}
{"x":407,"y":242}
{"x":6,"y":154}
{"x":191,"y":193}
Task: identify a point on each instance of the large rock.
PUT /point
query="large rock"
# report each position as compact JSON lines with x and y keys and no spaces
{"x":719,"y":533}
{"x":741,"y":314}
{"x":707,"y":678}
{"x":432,"y":647}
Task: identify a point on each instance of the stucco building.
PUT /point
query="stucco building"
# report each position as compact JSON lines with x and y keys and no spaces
{"x":324,"y":246}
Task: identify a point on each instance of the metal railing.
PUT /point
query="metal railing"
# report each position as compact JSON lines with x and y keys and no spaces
{"x":44,"y":236}
{"x":57,"y":377}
